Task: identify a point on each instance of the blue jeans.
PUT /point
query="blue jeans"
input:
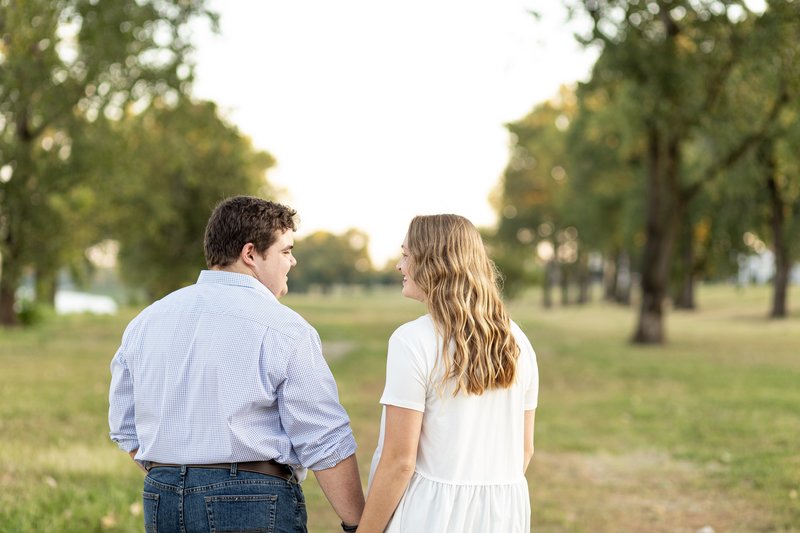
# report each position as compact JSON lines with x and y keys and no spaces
{"x":183,"y":499}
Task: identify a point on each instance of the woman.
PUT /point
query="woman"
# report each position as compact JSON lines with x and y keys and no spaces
{"x":457,"y":425}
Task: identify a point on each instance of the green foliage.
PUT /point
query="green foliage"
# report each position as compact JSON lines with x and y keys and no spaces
{"x":535,"y":178}
{"x":535,"y":188}
{"x":606,"y":153}
{"x":325,"y":260}
{"x":660,"y":148}
{"x":755,"y":115}
{"x":32,"y":313}
{"x":174,"y":164}
{"x":517,"y":265}
{"x":67,"y":67}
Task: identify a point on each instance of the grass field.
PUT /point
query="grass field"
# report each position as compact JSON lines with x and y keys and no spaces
{"x":702,"y":432}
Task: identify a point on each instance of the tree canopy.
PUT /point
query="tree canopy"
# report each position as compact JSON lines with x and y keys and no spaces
{"x":66,"y":67}
{"x":175,"y":163}
{"x":689,"y":110}
{"x":326,"y":260}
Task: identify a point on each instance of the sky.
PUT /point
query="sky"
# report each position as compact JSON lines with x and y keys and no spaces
{"x":379,"y":111}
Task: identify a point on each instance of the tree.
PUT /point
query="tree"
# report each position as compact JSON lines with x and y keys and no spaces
{"x":78,"y":213}
{"x":605,"y":154}
{"x":750,"y":130}
{"x":175,"y":163}
{"x":534,"y":227}
{"x":326,"y":260}
{"x":675,"y":58}
{"x":776,"y":149}
{"x":63,"y":65}
{"x":778,"y":164}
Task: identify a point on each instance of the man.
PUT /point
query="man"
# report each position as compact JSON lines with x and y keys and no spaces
{"x":222,"y":395}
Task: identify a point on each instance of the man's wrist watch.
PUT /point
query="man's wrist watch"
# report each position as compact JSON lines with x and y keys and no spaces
{"x":349,"y":529}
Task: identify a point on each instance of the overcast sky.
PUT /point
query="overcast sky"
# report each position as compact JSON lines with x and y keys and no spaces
{"x":379,"y":111}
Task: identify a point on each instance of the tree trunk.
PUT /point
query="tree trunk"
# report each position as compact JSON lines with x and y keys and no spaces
{"x":780,"y":283}
{"x":664,"y":211}
{"x":684,"y":295}
{"x":584,"y":279}
{"x":46,"y":287}
{"x":610,"y":277}
{"x":8,"y":317}
{"x":564,"y":283}
{"x":780,"y":247}
{"x":18,"y":191}
{"x":9,"y":274}
{"x":547,"y":284}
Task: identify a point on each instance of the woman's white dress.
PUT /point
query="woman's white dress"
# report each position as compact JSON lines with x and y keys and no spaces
{"x":468,"y":475}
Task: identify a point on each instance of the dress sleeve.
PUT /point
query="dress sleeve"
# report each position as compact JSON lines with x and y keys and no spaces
{"x":532,"y":384}
{"x":527,"y":364}
{"x":406,"y":373}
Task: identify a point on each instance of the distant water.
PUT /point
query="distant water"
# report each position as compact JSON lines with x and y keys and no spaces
{"x":81,"y":302}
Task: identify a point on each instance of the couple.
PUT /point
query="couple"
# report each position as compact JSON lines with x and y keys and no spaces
{"x":223,"y":396}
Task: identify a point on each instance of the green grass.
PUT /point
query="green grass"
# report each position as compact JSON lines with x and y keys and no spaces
{"x":703,"y":431}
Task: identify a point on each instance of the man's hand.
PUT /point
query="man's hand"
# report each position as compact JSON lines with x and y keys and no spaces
{"x":133,"y":454}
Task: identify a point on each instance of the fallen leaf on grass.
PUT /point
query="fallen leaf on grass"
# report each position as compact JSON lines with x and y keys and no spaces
{"x":108,"y":521}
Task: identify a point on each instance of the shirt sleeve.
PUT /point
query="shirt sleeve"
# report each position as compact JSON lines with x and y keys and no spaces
{"x":121,"y":413}
{"x":532,"y":384}
{"x":406,"y":374}
{"x":308,"y":402}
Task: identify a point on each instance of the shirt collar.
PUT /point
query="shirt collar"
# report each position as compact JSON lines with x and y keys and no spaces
{"x":224,"y":277}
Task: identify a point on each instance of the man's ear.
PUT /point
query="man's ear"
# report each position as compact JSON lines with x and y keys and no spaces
{"x":247,"y":255}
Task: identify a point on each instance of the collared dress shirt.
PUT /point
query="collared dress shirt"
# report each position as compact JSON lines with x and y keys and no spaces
{"x":220,"y":372}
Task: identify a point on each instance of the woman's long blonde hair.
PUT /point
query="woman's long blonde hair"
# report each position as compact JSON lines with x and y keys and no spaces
{"x":449,"y":263}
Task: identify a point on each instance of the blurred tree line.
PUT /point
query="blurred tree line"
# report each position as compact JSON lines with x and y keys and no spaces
{"x":676,"y":157}
{"x":100,"y":141}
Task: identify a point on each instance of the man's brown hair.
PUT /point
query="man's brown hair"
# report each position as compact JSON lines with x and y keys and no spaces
{"x":239,"y":220}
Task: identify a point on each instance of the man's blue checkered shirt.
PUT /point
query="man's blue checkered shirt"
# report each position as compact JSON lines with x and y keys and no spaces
{"x":220,"y":372}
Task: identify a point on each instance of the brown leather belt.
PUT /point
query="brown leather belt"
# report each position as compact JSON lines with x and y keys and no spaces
{"x":270,"y":468}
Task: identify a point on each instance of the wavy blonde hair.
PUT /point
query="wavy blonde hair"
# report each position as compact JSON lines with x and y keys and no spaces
{"x":449,"y":263}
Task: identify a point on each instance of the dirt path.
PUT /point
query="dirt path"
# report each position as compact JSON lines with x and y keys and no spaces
{"x":637,"y":492}
{"x":333,"y":350}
